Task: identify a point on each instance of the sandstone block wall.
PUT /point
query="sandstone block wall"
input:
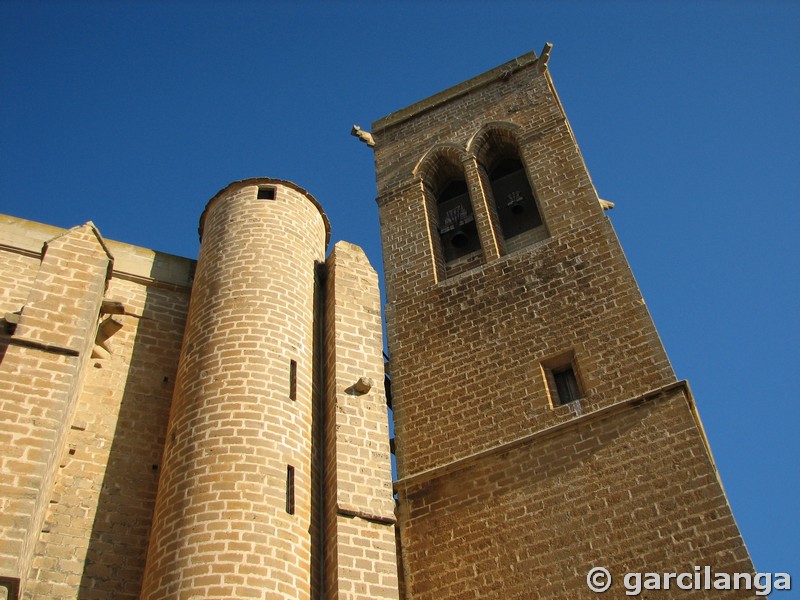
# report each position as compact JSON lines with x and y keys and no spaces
{"x":104,"y":495}
{"x":630,"y":489}
{"x":468,"y":353}
{"x":360,"y":534}
{"x":468,"y":348}
{"x":42,"y":367}
{"x":96,"y":512}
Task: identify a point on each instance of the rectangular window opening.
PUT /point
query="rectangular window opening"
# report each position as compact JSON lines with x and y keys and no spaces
{"x":266,"y":193}
{"x":290,"y":489}
{"x":293,"y":380}
{"x":562,"y":379}
{"x":567,"y":388}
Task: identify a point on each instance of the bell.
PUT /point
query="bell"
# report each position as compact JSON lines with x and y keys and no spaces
{"x":517,"y":209}
{"x":459,"y":239}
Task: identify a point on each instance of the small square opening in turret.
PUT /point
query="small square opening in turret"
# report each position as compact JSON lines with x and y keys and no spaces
{"x":266,"y":193}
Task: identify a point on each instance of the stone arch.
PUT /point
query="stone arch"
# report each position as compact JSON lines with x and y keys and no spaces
{"x":510,"y":194}
{"x":492,"y":136}
{"x":449,"y":206}
{"x":440,"y":163}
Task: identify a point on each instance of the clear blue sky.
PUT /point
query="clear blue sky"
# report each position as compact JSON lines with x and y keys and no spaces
{"x":133,"y":114}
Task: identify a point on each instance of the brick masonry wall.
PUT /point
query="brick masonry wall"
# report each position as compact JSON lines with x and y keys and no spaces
{"x":221,"y":526}
{"x":93,"y":538}
{"x":467,"y":353}
{"x":467,"y":348}
{"x":95,"y":535}
{"x":360,"y":536}
{"x":21,"y":245}
{"x":17,"y":272}
{"x":632,"y":491}
{"x":42,"y":367}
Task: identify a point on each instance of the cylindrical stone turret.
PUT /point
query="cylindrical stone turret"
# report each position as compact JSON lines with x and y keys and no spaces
{"x":233,"y":514}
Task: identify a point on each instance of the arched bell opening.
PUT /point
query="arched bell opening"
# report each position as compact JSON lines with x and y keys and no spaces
{"x":514,"y":199}
{"x":513,"y":205}
{"x":457,"y":229}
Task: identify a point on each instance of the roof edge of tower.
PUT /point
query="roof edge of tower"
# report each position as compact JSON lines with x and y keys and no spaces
{"x":270,"y":181}
{"x":449,"y":94}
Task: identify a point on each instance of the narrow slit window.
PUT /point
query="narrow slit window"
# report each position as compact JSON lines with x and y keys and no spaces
{"x":290,"y":489}
{"x":266,"y":193}
{"x":293,"y":380}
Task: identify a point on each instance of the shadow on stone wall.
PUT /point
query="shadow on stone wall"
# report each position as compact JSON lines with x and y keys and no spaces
{"x":317,"y":439}
{"x":115,"y":559}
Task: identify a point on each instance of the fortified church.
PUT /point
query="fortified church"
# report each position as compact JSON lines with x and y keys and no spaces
{"x":181,"y":429}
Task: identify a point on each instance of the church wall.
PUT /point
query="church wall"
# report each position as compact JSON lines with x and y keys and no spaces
{"x":97,"y":512}
{"x":45,"y":350}
{"x":627,"y":489}
{"x":468,"y":353}
{"x":105,"y":492}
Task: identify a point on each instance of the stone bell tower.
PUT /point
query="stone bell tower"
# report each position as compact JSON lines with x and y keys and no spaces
{"x":540,"y":429}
